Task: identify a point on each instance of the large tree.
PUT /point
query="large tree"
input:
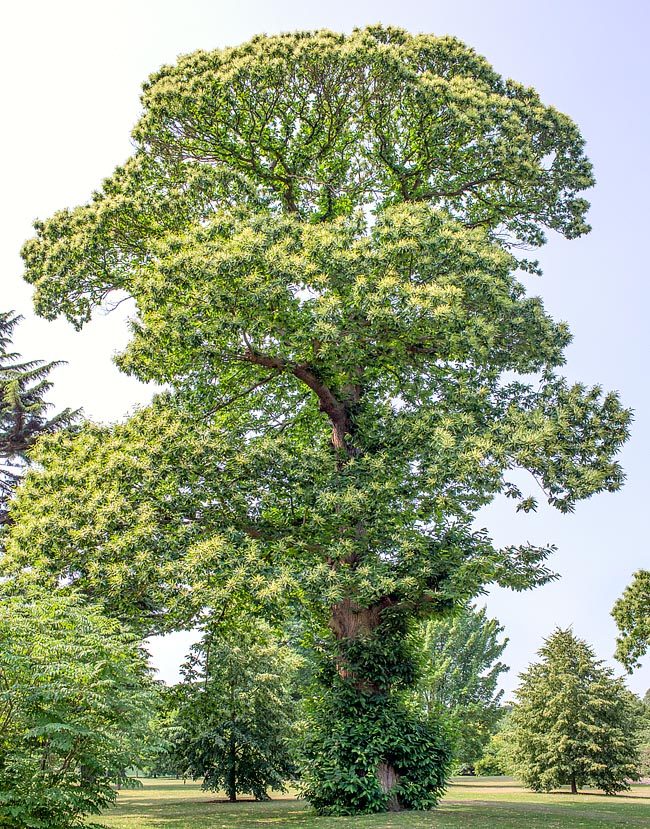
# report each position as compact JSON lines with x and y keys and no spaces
{"x":319,"y":234}
{"x":574,"y":724}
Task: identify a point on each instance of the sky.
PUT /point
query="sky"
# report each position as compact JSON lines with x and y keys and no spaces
{"x":71,"y":73}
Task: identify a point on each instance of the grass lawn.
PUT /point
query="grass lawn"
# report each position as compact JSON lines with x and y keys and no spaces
{"x":471,"y":803}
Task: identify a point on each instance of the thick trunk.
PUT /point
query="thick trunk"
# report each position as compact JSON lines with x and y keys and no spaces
{"x":388,"y":780}
{"x":574,"y":788}
{"x":350,"y":621}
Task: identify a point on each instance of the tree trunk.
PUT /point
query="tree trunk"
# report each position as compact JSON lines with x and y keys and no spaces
{"x":574,"y":788}
{"x":388,"y":780}
{"x":350,"y":620}
{"x":232,"y":771}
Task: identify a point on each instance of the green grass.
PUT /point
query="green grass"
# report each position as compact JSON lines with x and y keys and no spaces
{"x":471,"y":803}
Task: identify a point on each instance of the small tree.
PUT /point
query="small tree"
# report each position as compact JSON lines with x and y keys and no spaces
{"x":460,"y":677}
{"x":495,"y":759}
{"x":574,"y":724}
{"x":23,"y":418}
{"x":74,"y":687}
{"x":236,"y":711}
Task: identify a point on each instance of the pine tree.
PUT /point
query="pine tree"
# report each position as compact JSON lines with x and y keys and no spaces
{"x":574,"y":723}
{"x":23,"y":386}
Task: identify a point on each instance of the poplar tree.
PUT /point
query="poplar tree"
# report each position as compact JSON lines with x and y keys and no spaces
{"x":320,"y":234}
{"x":460,"y":675}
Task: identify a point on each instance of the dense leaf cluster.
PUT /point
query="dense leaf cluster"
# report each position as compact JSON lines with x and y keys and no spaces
{"x":460,"y":675}
{"x":236,"y":711}
{"x":632,"y":615}
{"x":369,"y":752}
{"x":23,"y":418}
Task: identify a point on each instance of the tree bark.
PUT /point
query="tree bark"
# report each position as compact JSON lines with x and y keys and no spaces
{"x":389,"y":780}
{"x":574,"y":788}
{"x":232,"y":771}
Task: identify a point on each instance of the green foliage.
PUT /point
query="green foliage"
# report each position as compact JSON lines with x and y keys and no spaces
{"x":460,"y":676}
{"x":495,"y":759}
{"x":643,"y":714}
{"x":236,"y":711}
{"x":145,"y":518}
{"x":370,"y":752}
{"x":632,"y":615}
{"x":23,"y":386}
{"x":574,"y":723}
{"x":74,"y":688}
{"x":317,"y":231}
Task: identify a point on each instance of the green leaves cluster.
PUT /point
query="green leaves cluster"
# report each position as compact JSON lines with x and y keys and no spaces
{"x":74,"y":692}
{"x":353,"y":739}
{"x":632,"y":615}
{"x":23,"y":409}
{"x":574,"y":723}
{"x":317,"y":125}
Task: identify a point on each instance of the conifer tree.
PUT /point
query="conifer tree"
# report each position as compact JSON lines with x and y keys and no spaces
{"x":574,"y":724}
{"x":23,"y":418}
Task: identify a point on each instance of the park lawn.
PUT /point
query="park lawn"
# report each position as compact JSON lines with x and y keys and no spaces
{"x":470,"y":803}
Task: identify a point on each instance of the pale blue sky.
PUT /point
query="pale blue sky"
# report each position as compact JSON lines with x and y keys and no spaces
{"x":71,"y":73}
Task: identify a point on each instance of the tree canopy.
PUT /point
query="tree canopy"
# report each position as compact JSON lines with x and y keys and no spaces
{"x":632,"y":615}
{"x":319,"y":233}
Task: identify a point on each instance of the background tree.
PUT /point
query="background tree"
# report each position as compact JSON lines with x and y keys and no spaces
{"x":460,"y":677}
{"x":317,"y":231}
{"x":574,"y":724}
{"x":644,"y":735}
{"x":495,"y":760}
{"x":74,"y":692}
{"x":23,"y":386}
{"x":632,"y":615}
{"x":236,"y":711}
